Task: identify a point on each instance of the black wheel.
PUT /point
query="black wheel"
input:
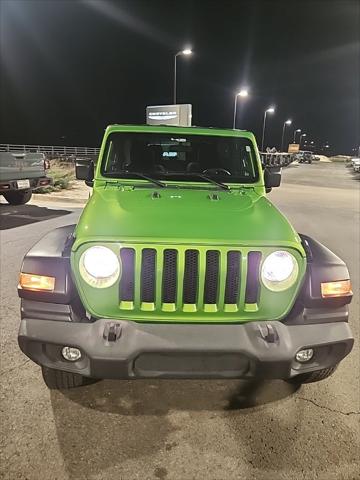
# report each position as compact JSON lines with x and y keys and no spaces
{"x":60,"y":380}
{"x":311,"y":377}
{"x":18,"y":197}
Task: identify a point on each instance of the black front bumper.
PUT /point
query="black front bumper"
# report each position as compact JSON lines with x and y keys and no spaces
{"x":135,"y":350}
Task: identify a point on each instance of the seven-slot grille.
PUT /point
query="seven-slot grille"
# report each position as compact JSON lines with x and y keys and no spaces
{"x":189,"y":279}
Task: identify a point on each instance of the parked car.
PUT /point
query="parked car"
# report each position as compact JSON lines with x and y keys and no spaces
{"x":181,"y":267}
{"x":305,"y":157}
{"x":21,"y":174}
{"x":355,"y":162}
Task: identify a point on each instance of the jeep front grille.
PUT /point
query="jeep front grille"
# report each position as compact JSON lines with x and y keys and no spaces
{"x":189,"y":279}
{"x":169,"y":280}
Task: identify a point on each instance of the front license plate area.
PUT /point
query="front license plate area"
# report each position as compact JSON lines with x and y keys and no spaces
{"x":154,"y":364}
{"x":23,"y":184}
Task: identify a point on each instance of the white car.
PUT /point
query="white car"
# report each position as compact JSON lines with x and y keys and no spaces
{"x":355,"y":162}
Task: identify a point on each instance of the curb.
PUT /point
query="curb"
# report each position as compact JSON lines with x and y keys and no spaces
{"x":49,"y":198}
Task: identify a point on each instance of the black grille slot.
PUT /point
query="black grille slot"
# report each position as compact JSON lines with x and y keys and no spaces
{"x":211,"y":276}
{"x":191,"y":273}
{"x":232,"y":277}
{"x":252,"y":280}
{"x":169,"y":282}
{"x":127,"y":282}
{"x":148,"y":270}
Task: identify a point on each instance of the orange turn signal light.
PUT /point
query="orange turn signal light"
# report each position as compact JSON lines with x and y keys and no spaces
{"x":336,"y":289}
{"x":41,"y":283}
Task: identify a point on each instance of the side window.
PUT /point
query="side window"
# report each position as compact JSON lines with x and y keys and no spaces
{"x":116,"y":155}
{"x":108,"y":154}
{"x":247,"y":161}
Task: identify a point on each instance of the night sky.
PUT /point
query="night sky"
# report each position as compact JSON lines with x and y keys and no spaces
{"x":69,"y":68}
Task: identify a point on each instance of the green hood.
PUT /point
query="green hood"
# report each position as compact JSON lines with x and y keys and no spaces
{"x":184,"y":215}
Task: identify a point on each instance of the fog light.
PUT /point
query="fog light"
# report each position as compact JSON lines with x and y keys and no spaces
{"x":71,"y":354}
{"x":303,"y":356}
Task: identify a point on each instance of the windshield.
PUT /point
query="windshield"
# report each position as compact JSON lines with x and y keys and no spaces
{"x":180,"y":157}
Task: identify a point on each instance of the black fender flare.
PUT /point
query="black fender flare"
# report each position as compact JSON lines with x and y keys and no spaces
{"x":50,"y":256}
{"x":322,"y":266}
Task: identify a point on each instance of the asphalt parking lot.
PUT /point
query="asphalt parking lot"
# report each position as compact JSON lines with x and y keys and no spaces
{"x":185,"y":429}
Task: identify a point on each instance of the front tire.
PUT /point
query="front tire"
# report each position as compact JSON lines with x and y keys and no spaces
{"x":18,"y":197}
{"x":60,"y":380}
{"x":312,"y":377}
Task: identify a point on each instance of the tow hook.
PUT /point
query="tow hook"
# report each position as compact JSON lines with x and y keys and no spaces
{"x":112,"y":331}
{"x":268,"y":333}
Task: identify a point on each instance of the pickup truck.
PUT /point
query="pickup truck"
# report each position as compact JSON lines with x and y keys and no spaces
{"x":181,"y":267}
{"x":20,"y":174}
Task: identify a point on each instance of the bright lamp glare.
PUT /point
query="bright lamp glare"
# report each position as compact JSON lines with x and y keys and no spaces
{"x":100,"y":262}
{"x":288,"y":122}
{"x":187,"y":51}
{"x":278,"y":266}
{"x":99,"y":266}
{"x":279,"y":271}
{"x":271,"y":110}
{"x":243,"y":93}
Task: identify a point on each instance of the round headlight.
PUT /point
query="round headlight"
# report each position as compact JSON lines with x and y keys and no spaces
{"x":279,"y":271}
{"x":99,"y":267}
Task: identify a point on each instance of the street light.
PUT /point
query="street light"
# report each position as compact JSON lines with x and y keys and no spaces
{"x":295,"y":132}
{"x":302,"y":135}
{"x":287,"y":122}
{"x":243,"y":94}
{"x":269,"y":110}
{"x":186,"y":52}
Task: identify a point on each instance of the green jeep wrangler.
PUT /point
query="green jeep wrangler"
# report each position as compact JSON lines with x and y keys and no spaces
{"x":180,"y":267}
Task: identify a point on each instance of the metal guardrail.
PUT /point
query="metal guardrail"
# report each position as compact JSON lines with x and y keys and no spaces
{"x":277,"y":159}
{"x":50,"y":150}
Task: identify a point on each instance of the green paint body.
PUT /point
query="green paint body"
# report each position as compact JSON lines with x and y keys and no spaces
{"x":181,"y":217}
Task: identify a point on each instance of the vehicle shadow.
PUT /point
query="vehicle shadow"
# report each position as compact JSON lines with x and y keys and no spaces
{"x":12,"y":216}
{"x":112,"y":422}
{"x":355,"y":175}
{"x":142,"y":429}
{"x":158,"y":397}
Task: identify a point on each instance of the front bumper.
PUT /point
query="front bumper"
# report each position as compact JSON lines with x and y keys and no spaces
{"x":138,"y":350}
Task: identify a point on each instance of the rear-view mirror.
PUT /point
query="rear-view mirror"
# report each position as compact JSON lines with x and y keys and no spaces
{"x":272,"y":177}
{"x":84,"y":170}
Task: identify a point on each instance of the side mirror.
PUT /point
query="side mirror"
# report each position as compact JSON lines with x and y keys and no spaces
{"x":272,"y":178}
{"x":84,"y":170}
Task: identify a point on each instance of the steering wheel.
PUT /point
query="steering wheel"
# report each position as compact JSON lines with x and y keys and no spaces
{"x":217,"y":171}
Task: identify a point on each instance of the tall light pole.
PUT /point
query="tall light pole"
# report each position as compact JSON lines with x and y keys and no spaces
{"x":269,"y":110}
{"x":302,"y":135}
{"x":287,"y":122}
{"x":243,"y":94}
{"x":186,"y":52}
{"x":295,"y":132}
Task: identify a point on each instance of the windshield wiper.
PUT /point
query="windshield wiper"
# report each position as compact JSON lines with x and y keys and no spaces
{"x":201,"y":175}
{"x":141,"y":175}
